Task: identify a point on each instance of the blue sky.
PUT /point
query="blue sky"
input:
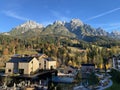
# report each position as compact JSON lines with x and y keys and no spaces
{"x":97,"y":13}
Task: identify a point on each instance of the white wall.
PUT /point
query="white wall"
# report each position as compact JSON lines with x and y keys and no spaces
{"x":48,"y":64}
{"x":9,"y":66}
{"x":118,"y":61}
{"x":33,"y":65}
{"x":41,"y":61}
{"x":51,"y":63}
{"x":29,"y":67}
{"x":24,"y":66}
{"x":114,"y":63}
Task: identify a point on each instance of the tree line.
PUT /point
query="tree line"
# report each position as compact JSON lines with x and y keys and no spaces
{"x":60,"y":49}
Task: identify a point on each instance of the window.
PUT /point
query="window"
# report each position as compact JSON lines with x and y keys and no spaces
{"x":44,"y":62}
{"x":21,"y":71}
{"x":118,"y":63}
{"x":44,"y":66}
{"x":32,"y":62}
{"x":9,"y":70}
{"x":51,"y":67}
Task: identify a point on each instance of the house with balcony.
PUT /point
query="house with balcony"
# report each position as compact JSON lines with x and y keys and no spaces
{"x":22,"y":65}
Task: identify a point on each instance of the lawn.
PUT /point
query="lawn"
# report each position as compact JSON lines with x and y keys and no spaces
{"x":115,"y":86}
{"x":116,"y":80}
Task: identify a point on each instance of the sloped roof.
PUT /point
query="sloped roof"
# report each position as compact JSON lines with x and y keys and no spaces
{"x":49,"y":59}
{"x":87,"y":64}
{"x":20,"y":59}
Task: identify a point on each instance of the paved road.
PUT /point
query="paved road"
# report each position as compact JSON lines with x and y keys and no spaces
{"x":109,"y":85}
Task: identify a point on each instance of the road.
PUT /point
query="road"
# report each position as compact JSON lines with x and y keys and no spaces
{"x":109,"y":85}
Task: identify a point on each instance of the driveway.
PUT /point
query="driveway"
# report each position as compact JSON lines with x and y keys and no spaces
{"x":109,"y":85}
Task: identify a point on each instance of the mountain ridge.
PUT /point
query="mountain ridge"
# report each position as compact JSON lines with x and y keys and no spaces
{"x":75,"y":28}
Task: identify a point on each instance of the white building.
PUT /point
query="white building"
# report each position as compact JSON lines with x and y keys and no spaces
{"x":47,"y":63}
{"x":22,"y":65}
{"x":116,"y":62}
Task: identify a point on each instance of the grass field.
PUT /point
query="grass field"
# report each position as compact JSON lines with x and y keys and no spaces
{"x":116,"y":80}
{"x":115,"y":86}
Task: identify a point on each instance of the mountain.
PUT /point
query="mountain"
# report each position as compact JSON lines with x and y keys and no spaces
{"x":101,"y":32}
{"x":74,"y":29}
{"x":81,"y":30}
{"x":26,"y":27}
{"x":115,"y":34}
{"x":31,"y":28}
{"x":74,"y":24}
{"x":57,"y":28}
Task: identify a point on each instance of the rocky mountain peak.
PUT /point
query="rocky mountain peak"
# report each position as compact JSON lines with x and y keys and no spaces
{"x":75,"y":28}
{"x":30,"y":25}
{"x":76,"y":22}
{"x":59,"y":22}
{"x":101,"y":32}
{"x":115,"y":32}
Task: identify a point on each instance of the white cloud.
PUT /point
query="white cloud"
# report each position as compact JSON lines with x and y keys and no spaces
{"x":111,"y":26}
{"x":108,"y":26}
{"x":59,"y":16}
{"x":14,"y":15}
{"x":103,"y":14}
{"x":45,"y":23}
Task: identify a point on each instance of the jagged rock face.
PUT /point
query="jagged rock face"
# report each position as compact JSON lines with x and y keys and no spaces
{"x":74,"y":28}
{"x":59,"y":23}
{"x":102,"y":32}
{"x":30,"y":25}
{"x":115,"y":34}
{"x":57,"y":28}
{"x":76,"y":23}
{"x":25,"y":27}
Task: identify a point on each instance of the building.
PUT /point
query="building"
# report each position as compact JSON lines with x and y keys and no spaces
{"x":22,"y":65}
{"x":116,"y":61}
{"x":70,"y":69}
{"x":86,"y":69}
{"x":47,"y":63}
{"x":40,"y":56}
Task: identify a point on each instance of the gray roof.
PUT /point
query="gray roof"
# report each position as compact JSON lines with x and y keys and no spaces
{"x":20,"y":59}
{"x":88,"y":64}
{"x":49,"y":59}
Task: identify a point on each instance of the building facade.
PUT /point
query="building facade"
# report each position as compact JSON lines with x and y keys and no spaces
{"x":86,"y":69}
{"x":22,"y":65}
{"x":47,"y":63}
{"x":116,"y":62}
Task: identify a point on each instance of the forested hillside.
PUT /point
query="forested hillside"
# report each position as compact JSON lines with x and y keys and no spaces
{"x":69,"y":43}
{"x":63,"y":49}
